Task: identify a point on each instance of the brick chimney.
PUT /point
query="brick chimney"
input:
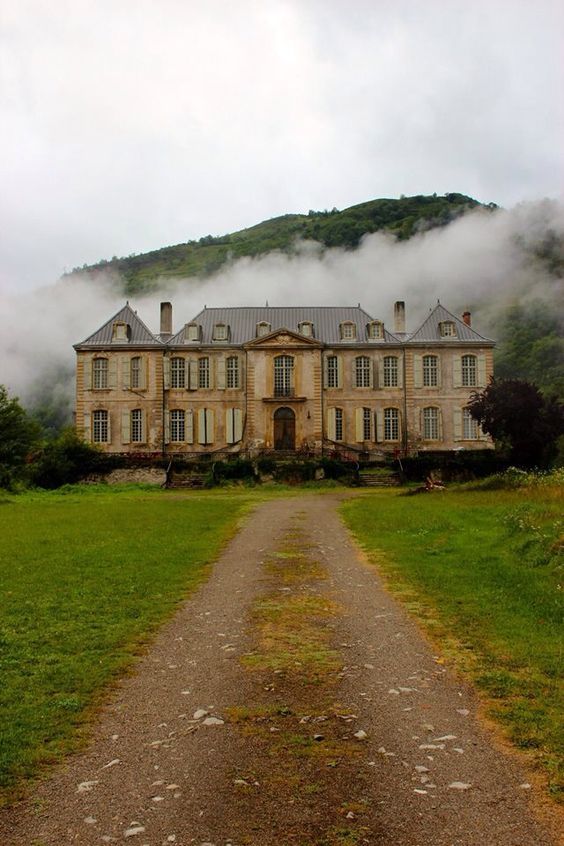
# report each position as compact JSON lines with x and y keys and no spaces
{"x":166,"y":318}
{"x":399,"y":316}
{"x":467,"y":318}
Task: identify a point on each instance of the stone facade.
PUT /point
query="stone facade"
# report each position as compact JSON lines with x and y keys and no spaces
{"x":285,"y":379}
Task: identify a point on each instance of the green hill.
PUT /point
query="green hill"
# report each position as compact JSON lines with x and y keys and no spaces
{"x":403,"y":217}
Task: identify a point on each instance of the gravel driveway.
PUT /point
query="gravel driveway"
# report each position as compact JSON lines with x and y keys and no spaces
{"x":253,"y":720}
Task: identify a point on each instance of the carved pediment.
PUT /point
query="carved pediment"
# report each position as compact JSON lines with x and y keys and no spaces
{"x":283,"y":338}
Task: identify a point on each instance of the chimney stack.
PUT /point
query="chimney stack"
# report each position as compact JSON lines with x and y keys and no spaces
{"x":166,"y":318}
{"x":467,"y":318}
{"x":399,"y":316}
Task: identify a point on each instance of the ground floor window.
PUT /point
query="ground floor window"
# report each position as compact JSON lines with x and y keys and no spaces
{"x":391,"y":424}
{"x":469,"y":426}
{"x":338,"y":424}
{"x":100,"y":427}
{"x":137,"y":426}
{"x":431,"y":424}
{"x":177,"y":425}
{"x":366,"y":424}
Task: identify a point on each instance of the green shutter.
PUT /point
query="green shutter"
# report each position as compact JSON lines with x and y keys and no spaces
{"x":210,"y":426}
{"x":143,"y":373}
{"x":440,"y":424}
{"x":201,"y":425}
{"x":380,"y":370}
{"x":193,"y":374}
{"x":326,"y":371}
{"x":112,"y":373}
{"x":229,"y":436}
{"x":340,"y":372}
{"x":125,"y":427}
{"x":438,"y":371}
{"x":400,"y":371}
{"x":237,"y":424}
{"x":166,"y":427}
{"x":109,"y":428}
{"x":189,"y":426}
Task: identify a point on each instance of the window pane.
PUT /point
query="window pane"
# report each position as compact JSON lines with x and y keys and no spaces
{"x":431,"y":424}
{"x":430,"y":371}
{"x":177,"y":373}
{"x":469,"y":371}
{"x":136,"y":426}
{"x":100,"y":373}
{"x":233,"y":372}
{"x":390,"y":371}
{"x":177,"y":425}
{"x":469,"y":426}
{"x":338,"y":424}
{"x":203,"y":373}
{"x":367,"y":424}
{"x":100,"y":427}
{"x":362,"y":371}
{"x":332,"y":372}
{"x":135,"y":375}
{"x":391,"y":424}
{"x":283,"y":376}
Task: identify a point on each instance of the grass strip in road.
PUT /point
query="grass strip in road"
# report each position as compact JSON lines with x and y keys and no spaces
{"x":85,"y":579}
{"x":483,"y":570}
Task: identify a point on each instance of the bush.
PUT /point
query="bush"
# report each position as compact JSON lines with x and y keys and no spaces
{"x":67,"y":459}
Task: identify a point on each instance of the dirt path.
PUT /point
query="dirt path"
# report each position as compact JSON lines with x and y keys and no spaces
{"x":289,"y":703}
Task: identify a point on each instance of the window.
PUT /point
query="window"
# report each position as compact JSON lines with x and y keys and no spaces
{"x":137,"y":426}
{"x":366,"y":424}
{"x":177,"y":373}
{"x":220,"y":332}
{"x":100,"y":373}
{"x":306,"y":328}
{"x":447,"y":329}
{"x":203,"y":373}
{"x":263,"y":328}
{"x":233,"y":372}
{"x":362,"y":371}
{"x":177,"y":425}
{"x":430,"y":371}
{"x":469,"y":371}
{"x":283,"y":376}
{"x":390,"y":371}
{"x":101,"y":427}
{"x":391,"y":424}
{"x":431,"y":424}
{"x":375,"y":330}
{"x":338,"y":424}
{"x":332,"y":371}
{"x":469,"y":426}
{"x":192,"y":332}
{"x":135,"y":372}
{"x":120,"y":332}
{"x":348,"y":331}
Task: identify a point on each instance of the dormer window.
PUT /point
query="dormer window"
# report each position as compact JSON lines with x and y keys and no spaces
{"x":121,"y":332}
{"x":192,"y":332}
{"x":347,"y":331}
{"x":447,"y":329}
{"x":263,"y":328}
{"x":220,"y":332}
{"x":375,"y":330}
{"x":306,"y":328}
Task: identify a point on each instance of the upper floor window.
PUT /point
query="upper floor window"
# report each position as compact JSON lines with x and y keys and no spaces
{"x":362,"y":371}
{"x":192,"y":332}
{"x":220,"y":332}
{"x":177,"y":373}
{"x":283,"y":376}
{"x":391,"y":424}
{"x":469,"y":426}
{"x":263,"y":328}
{"x":100,"y":373}
{"x":347,"y":331}
{"x":447,"y":329}
{"x":469,"y":371}
{"x":233,"y":372}
{"x":135,"y":372}
{"x":177,"y":425}
{"x":332,"y":371}
{"x":306,"y":328}
{"x":203,"y":372}
{"x":430,"y":371}
{"x":390,"y":371}
{"x":136,"y":424}
{"x":431,"y":424}
{"x":100,"y":427}
{"x":120,"y":331}
{"x":375,"y":330}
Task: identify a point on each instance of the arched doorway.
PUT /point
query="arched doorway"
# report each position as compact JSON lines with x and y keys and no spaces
{"x":284,"y":429}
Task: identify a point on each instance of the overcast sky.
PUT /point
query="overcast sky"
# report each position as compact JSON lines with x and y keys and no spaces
{"x":127,"y":125}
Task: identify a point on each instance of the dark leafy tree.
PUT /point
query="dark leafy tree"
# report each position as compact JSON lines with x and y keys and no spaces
{"x":18,"y":436}
{"x":64,"y":460}
{"x":521,"y":420}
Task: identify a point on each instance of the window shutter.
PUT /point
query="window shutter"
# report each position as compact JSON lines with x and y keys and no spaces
{"x":418,"y":371}
{"x":371,"y":373}
{"x":339,"y":372}
{"x":419,"y":421}
{"x":189,"y":426}
{"x":331,"y":430}
{"x":193,"y":374}
{"x":87,"y":427}
{"x":482,"y":379}
{"x":87,"y":378}
{"x":457,"y":372}
{"x":125,"y":373}
{"x":210,"y":426}
{"x":144,"y":436}
{"x":125,"y":427}
{"x":109,"y":428}
{"x":167,"y":426}
{"x":220,"y":374}
{"x":201,"y":425}
{"x":112,"y":373}
{"x":400,"y":371}
{"x":440,"y":423}
{"x":353,"y":371}
{"x":380,"y":381}
{"x":457,"y":417}
{"x":210,"y":370}
{"x":359,"y":424}
{"x":438,"y":371}
{"x":229,"y":426}
{"x":166,"y":373}
{"x":326,"y":372}
{"x":379,"y":418}
{"x":144,"y":373}
{"x":237,"y":425}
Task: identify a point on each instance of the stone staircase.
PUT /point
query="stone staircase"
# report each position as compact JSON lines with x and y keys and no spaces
{"x":383,"y":478}
{"x":187,"y":480}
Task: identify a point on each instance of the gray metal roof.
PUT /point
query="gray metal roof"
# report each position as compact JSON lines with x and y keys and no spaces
{"x":430,"y":329}
{"x":242,"y":322}
{"x":139,"y":334}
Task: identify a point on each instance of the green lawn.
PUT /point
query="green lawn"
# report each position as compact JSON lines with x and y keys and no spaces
{"x":483,"y":570}
{"x":85,"y":577}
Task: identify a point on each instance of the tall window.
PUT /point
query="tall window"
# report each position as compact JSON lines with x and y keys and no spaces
{"x":469,"y":371}
{"x":431,"y":424}
{"x":362,"y":371}
{"x":332,"y":371}
{"x":177,"y":425}
{"x":283,"y":376}
{"x":100,"y":373}
{"x":135,"y":372}
{"x":203,"y":373}
{"x":177,"y":373}
{"x":469,"y":426}
{"x":390,"y":371}
{"x":430,"y":371}
{"x":338,"y":424}
{"x":137,"y":426}
{"x":366,"y":424}
{"x":100,"y":427}
{"x":232,"y":372}
{"x":391,"y":424}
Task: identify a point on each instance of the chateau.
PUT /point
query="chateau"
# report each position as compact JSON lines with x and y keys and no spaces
{"x":312,"y":379}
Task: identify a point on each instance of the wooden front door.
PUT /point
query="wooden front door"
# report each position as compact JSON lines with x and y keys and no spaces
{"x":284,"y":429}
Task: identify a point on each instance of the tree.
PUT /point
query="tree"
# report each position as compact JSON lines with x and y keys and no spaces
{"x":521,"y":420}
{"x":18,"y":436}
{"x":64,"y":461}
